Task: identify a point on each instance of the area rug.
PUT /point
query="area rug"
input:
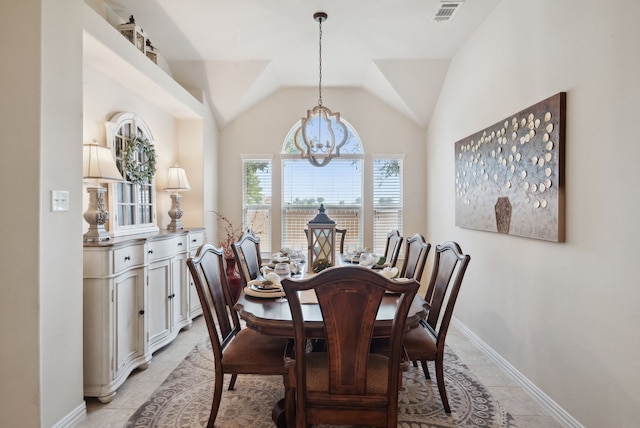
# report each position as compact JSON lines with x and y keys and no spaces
{"x":184,"y":399}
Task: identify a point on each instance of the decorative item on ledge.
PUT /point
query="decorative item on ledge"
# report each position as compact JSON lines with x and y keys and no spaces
{"x":134,"y":34}
{"x":177,"y":183}
{"x":151,"y":52}
{"x":98,"y":166}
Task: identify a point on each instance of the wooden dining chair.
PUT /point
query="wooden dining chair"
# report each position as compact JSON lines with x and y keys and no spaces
{"x":426,"y":342}
{"x":347,"y":385}
{"x":392,"y":248}
{"x":342,"y":233}
{"x":247,"y":254}
{"x":415,"y":257}
{"x":236,"y":350}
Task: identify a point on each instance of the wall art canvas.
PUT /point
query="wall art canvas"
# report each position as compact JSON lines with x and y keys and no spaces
{"x":510,"y":176}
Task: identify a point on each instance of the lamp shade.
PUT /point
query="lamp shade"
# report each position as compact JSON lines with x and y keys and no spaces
{"x":98,"y":164}
{"x":177,"y":180}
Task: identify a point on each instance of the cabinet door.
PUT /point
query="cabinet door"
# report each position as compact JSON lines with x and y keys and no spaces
{"x":195,"y":308}
{"x":129,"y":326}
{"x":179,"y":293}
{"x":158,"y":292}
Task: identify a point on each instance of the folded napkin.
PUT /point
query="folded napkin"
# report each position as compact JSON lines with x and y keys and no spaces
{"x":273,"y":277}
{"x":389,"y":272}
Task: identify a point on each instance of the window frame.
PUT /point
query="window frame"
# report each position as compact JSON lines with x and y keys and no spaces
{"x":353,"y":150}
{"x":382,"y":228}
{"x":128,"y":196}
{"x":264,"y":230}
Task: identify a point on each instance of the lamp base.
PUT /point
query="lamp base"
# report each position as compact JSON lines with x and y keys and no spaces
{"x":96,"y":235}
{"x":175,"y":225}
{"x":96,"y":215}
{"x":175,"y":212}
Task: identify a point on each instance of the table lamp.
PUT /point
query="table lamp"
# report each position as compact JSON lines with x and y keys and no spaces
{"x":98,"y":166}
{"x":177,"y":183}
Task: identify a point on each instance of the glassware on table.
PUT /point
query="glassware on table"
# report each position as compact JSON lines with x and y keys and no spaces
{"x":283,"y":270}
{"x":296,"y":259}
{"x":367,"y":259}
{"x":352,"y":250}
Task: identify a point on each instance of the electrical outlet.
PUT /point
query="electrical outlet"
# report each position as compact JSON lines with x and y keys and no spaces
{"x":59,"y":200}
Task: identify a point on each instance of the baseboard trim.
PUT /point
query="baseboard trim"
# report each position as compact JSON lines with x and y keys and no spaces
{"x":536,"y":393}
{"x":72,"y":418}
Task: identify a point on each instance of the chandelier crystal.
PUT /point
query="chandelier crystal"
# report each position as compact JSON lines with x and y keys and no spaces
{"x":316,"y":137}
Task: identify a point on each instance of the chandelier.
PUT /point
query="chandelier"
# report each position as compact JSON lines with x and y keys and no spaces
{"x":316,"y":137}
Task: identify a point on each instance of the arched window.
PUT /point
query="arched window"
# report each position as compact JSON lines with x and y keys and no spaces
{"x":133,"y":209}
{"x":338,"y":185}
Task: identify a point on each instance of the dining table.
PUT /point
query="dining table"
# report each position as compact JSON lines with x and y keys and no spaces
{"x":272,"y":316}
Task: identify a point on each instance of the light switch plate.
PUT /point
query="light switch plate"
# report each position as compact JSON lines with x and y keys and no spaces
{"x":59,"y":200}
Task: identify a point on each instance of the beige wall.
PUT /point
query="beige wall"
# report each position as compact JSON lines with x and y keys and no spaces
{"x":563,"y":314}
{"x":40,"y":130}
{"x":262,"y":129}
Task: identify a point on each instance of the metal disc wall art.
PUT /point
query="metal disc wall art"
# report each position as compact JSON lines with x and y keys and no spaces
{"x":510,"y":176}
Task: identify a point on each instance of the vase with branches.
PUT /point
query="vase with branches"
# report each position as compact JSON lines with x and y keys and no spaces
{"x":232,"y":233}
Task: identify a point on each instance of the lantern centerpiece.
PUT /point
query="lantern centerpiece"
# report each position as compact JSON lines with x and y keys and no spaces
{"x":321,"y":238}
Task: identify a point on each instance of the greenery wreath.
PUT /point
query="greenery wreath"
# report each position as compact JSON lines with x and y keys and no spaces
{"x":137,"y":171}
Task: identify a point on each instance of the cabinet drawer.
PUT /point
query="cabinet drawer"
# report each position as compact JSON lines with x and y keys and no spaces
{"x":158,"y":250}
{"x":124,"y":258}
{"x":196,"y":239}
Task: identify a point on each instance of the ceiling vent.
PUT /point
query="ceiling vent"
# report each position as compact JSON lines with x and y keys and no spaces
{"x":447,"y":10}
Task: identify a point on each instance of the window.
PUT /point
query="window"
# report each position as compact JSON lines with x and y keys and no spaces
{"x":256,"y":199}
{"x":338,"y":185}
{"x":133,"y":204}
{"x":387,"y":200}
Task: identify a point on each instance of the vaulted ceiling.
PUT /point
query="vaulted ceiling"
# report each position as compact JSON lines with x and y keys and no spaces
{"x":241,"y":51}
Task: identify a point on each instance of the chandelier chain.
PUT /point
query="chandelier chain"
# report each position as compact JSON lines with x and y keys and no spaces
{"x":320,"y":63}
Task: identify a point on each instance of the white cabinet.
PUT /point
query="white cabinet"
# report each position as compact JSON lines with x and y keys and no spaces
{"x":137,"y":298}
{"x":167,"y":289}
{"x":196,"y":239}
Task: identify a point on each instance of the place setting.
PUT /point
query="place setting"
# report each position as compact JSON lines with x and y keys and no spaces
{"x":287,"y":263}
{"x":363,"y":257}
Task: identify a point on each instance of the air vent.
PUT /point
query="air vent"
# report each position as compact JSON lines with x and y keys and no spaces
{"x":447,"y":10}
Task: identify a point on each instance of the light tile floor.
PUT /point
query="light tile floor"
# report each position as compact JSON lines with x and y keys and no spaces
{"x":141,"y":384}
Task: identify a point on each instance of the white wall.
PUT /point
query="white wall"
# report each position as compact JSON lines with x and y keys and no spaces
{"x":262,"y":129}
{"x":563,"y":314}
{"x":20,"y":135}
{"x":40,"y":128}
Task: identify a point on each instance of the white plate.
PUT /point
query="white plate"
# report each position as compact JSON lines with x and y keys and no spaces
{"x":252,"y":290}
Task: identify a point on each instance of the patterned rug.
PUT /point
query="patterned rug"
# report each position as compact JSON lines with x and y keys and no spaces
{"x":184,"y":399}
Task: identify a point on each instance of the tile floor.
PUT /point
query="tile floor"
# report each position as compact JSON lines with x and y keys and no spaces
{"x":135,"y":391}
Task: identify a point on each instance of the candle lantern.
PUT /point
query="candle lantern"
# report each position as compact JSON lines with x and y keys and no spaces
{"x":321,"y":237}
{"x":134,"y":34}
